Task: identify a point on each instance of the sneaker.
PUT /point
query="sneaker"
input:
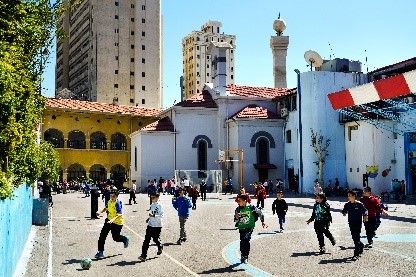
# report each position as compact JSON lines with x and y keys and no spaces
{"x":142,"y":259}
{"x":355,"y":257}
{"x":160,"y":250}
{"x":322,"y":250}
{"x":179,"y":242}
{"x":333,"y":242}
{"x":361,"y":249}
{"x":184,"y":239}
{"x":244,"y":259}
{"x":99,"y":255}
{"x":126,"y":242}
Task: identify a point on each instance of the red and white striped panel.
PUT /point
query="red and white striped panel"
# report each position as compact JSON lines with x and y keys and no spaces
{"x":392,"y":87}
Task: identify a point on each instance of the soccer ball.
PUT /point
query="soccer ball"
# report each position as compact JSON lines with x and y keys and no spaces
{"x":86,"y":263}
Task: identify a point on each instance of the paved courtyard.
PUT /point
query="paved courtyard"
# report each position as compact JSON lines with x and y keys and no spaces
{"x":213,"y":246}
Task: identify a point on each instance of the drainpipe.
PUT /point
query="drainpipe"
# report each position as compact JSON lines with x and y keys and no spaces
{"x":300,"y":131}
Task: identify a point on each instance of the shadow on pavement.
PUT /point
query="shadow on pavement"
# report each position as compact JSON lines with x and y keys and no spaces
{"x":228,"y":229}
{"x":71,"y":261}
{"x":345,"y":248}
{"x":228,"y":269}
{"x":307,"y":254}
{"x":337,"y":261}
{"x":126,"y":263}
{"x":390,"y":217}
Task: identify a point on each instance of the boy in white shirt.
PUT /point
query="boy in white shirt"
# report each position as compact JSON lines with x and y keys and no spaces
{"x":154,"y":227}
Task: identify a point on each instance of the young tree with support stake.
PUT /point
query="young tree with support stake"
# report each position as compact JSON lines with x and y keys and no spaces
{"x":320,"y":147}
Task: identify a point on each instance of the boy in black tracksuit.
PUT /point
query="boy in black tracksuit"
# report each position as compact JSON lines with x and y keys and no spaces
{"x":357,"y":213}
{"x":322,"y":215}
{"x":279,"y":206}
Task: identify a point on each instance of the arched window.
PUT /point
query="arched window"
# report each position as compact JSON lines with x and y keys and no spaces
{"x":118,"y":142}
{"x":76,"y":140}
{"x":118,"y":174}
{"x":54,"y":137}
{"x":75,"y":172}
{"x":98,"y":141}
{"x":262,"y":150}
{"x":202,"y":157}
{"x":98,"y":173}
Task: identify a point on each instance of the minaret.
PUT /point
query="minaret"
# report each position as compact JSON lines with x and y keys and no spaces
{"x":279,"y":44}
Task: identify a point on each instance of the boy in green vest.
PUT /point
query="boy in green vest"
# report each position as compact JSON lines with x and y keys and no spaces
{"x":245,"y":218}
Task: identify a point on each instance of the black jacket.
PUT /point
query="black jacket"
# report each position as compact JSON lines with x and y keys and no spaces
{"x":321,"y":213}
{"x":279,"y":206}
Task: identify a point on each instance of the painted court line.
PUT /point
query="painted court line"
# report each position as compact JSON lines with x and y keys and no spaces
{"x":167,"y":255}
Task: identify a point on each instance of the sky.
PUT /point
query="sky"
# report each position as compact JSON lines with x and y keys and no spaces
{"x":382,"y":31}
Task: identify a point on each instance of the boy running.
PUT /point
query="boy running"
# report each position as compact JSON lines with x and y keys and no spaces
{"x":357,"y":213}
{"x":322,"y":215}
{"x":183,"y":205}
{"x":113,"y":223}
{"x":154,"y":227}
{"x":245,"y":218}
{"x":280,"y":207}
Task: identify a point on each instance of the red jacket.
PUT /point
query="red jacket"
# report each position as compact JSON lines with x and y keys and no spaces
{"x":372,"y":204}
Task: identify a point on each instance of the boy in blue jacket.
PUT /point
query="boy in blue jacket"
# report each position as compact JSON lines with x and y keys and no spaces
{"x":183,"y":205}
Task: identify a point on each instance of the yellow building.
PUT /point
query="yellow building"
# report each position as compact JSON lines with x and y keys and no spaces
{"x":93,"y":139}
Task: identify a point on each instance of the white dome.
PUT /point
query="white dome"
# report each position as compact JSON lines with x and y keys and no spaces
{"x":279,"y":26}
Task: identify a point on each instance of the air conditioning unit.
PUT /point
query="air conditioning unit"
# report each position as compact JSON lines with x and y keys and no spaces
{"x":284,"y":112}
{"x":412,"y":154}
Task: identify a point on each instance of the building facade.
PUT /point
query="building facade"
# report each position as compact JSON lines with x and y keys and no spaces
{"x":93,"y":139}
{"x":110,"y":52}
{"x":198,"y":60}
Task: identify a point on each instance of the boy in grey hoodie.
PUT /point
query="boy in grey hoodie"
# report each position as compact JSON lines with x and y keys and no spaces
{"x":154,"y":227}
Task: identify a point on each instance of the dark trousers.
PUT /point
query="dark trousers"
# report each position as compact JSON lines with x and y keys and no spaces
{"x":132,"y":197}
{"x":321,"y":229}
{"x":245,"y":237}
{"x":193,"y":203}
{"x":115,"y":232}
{"x":370,"y":229}
{"x":260,"y":201}
{"x":151,"y":233}
{"x":355,"y":229}
{"x":282,"y":220}
{"x":203,"y":195}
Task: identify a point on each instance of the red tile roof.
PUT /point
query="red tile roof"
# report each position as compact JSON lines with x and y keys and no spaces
{"x":203,"y":100}
{"x":163,"y":124}
{"x":254,"y":111}
{"x":77,"y":105}
{"x":246,"y":91}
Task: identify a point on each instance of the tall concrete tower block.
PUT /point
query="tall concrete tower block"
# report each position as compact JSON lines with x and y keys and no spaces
{"x":279,"y":45}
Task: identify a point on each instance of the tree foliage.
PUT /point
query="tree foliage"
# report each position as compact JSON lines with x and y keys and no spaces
{"x":26,"y":29}
{"x":320,"y":147}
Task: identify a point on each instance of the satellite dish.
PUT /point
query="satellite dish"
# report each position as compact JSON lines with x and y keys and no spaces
{"x":313,"y":59}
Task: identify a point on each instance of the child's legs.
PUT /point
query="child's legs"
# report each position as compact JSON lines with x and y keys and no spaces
{"x":355,"y":229}
{"x":245,"y":237}
{"x":182,"y":221}
{"x":103,"y":235}
{"x":146,"y":242}
{"x":319,"y":230}
{"x":281,"y":220}
{"x":370,"y":226}
{"x":155,"y":231}
{"x":115,"y":232}
{"x":378,"y":221}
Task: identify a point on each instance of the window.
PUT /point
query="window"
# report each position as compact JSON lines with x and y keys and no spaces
{"x":350,"y":129}
{"x":197,"y":48}
{"x":143,"y":34}
{"x":98,"y":141}
{"x":143,"y":87}
{"x":135,"y":158}
{"x":143,"y":20}
{"x":54,"y":137}
{"x":132,"y":46}
{"x":76,"y":140}
{"x":116,"y":31}
{"x":207,"y":74}
{"x":202,"y":156}
{"x":143,"y":60}
{"x":116,"y":44}
{"x":143,"y":47}
{"x":143,"y":101}
{"x":143,"y":7}
{"x":232,"y":51}
{"x":118,"y":142}
{"x":116,"y":58}
{"x":131,"y":100}
{"x":116,"y":3}
{"x":207,"y":65}
{"x":143,"y":74}
{"x":232,"y":77}
{"x":132,"y":6}
{"x":232,"y":68}
{"x":116,"y":71}
{"x":262,"y":149}
{"x":289,"y":136}
{"x":132,"y":33}
{"x":131,"y":73}
{"x":131,"y":86}
{"x":116,"y":17}
{"x":116,"y":85}
{"x":132,"y":60}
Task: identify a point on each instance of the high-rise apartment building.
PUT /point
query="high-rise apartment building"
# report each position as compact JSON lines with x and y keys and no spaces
{"x":197,"y":60}
{"x":111,"y":52}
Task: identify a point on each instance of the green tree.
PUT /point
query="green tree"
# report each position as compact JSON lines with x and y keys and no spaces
{"x":26,"y":29}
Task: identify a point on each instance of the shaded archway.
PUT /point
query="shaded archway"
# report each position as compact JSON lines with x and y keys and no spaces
{"x":54,"y":137}
{"x":118,"y":142}
{"x":262,"y":154}
{"x":76,"y":140}
{"x":198,"y":138}
{"x":98,"y":173}
{"x":98,"y":141}
{"x":202,"y":157}
{"x":262,"y":134}
{"x":76,"y":172}
{"x":118,"y":175}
